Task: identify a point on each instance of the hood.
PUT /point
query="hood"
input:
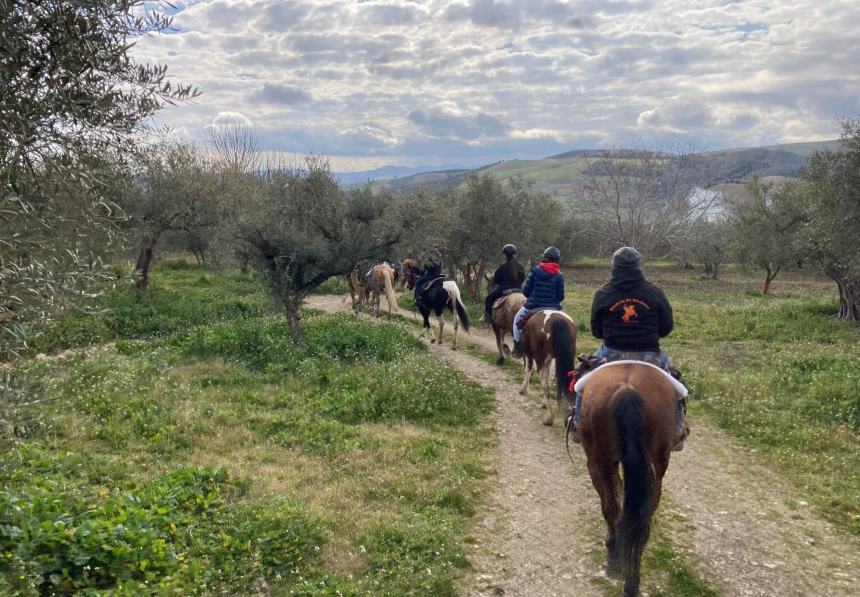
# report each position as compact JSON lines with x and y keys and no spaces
{"x":626,"y":278}
{"x":540,"y":272}
{"x":549,"y":267}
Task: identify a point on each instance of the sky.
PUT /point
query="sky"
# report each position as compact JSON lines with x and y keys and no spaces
{"x":426,"y":82}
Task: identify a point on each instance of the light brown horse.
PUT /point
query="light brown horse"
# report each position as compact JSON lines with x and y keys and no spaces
{"x":382,"y":278}
{"x":628,"y":417}
{"x":502,"y":318}
{"x":357,"y":289}
{"x":550,"y":335}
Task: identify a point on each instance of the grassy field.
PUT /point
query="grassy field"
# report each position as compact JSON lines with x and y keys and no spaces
{"x":774,"y":370}
{"x":204,"y":453}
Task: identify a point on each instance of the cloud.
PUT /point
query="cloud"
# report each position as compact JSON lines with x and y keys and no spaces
{"x":274,"y":93}
{"x":481,"y":80}
{"x":446,"y":123}
{"x":228,"y":118}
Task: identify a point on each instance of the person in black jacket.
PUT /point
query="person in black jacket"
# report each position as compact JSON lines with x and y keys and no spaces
{"x":544,"y":289}
{"x":509,"y":276}
{"x":630,"y":315}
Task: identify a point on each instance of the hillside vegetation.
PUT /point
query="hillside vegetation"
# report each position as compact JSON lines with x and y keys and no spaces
{"x":562,"y":175}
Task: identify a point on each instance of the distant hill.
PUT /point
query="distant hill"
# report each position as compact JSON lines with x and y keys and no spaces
{"x":389,"y":172}
{"x":561,"y":175}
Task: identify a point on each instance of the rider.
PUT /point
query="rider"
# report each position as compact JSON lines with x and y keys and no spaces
{"x":630,"y":315}
{"x":431,"y":264}
{"x":544,"y":289}
{"x":509,"y":276}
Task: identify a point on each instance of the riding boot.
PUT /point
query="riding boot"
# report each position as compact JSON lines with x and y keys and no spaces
{"x":515,"y":353}
{"x":682,"y":430}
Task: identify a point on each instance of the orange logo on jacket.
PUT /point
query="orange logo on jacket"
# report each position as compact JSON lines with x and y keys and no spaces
{"x":629,"y":313}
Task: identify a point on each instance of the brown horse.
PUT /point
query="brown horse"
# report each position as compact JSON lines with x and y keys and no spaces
{"x":409,"y":272}
{"x":503,"y":318}
{"x":382,"y":278}
{"x":357,"y":289}
{"x":550,"y":335}
{"x":628,"y":416}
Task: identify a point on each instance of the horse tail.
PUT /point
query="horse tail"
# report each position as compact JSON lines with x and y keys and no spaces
{"x":454,"y":295}
{"x":635,"y":525}
{"x":389,"y":291}
{"x":563,"y":349}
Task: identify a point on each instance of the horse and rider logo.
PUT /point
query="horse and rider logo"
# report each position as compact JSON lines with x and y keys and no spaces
{"x":629,"y":313}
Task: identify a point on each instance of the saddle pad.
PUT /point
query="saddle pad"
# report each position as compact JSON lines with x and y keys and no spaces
{"x":501,"y":300}
{"x":679,"y":387}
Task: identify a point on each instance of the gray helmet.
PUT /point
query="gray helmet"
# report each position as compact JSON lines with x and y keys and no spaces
{"x":509,"y":250}
{"x":552,"y":254}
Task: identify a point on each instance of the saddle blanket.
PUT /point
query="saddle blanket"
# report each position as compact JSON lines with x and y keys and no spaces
{"x":501,"y":300}
{"x":679,"y":387}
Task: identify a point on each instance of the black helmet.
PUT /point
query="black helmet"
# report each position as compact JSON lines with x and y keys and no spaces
{"x":509,"y":250}
{"x":552,"y":254}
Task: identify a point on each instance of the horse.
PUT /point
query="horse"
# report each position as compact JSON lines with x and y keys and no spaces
{"x":357,"y":289}
{"x":410,"y":270}
{"x":381,"y":279}
{"x":628,"y":416}
{"x":436,"y":298}
{"x":502,"y":319}
{"x":548,"y":335}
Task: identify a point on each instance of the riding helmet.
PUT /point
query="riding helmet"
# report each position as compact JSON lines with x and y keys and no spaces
{"x":552,"y":254}
{"x":509,"y":250}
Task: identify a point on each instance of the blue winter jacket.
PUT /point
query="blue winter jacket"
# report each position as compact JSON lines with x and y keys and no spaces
{"x":544,"y":290}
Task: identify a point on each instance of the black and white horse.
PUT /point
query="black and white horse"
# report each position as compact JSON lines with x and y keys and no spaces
{"x":442,"y":294}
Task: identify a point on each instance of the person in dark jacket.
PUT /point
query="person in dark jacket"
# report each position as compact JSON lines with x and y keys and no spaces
{"x":431,"y":267}
{"x":631,"y":315}
{"x":509,"y":276}
{"x":544,"y":289}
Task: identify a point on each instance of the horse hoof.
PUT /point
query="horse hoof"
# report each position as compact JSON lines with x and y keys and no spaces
{"x":547,"y":422}
{"x":613,"y":569}
{"x":500,"y":361}
{"x":543,"y":406}
{"x":433,"y":341}
{"x":454,"y":347}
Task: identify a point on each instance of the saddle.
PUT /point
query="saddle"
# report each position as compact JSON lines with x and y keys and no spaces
{"x":505,"y":294}
{"x":589,"y":362}
{"x":433,"y":281}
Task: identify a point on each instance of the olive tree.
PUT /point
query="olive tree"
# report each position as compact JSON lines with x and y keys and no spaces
{"x":175,"y":190}
{"x":829,"y":192}
{"x":300,"y":228}
{"x":764,"y":230}
{"x":71,"y":98}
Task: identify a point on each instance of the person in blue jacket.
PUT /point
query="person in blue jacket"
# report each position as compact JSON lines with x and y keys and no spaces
{"x":544,"y":289}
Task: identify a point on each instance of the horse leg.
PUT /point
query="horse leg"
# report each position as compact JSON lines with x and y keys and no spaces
{"x":441,"y":326}
{"x":426,"y":326}
{"x":527,"y":367}
{"x":499,"y":343}
{"x":607,"y":482}
{"x":544,"y":371}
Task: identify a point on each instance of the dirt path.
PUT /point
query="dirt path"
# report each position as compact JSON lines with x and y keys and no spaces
{"x":752,"y":534}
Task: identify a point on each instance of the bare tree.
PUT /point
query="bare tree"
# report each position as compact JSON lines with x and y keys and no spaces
{"x":645,"y":197}
{"x":235,"y":147}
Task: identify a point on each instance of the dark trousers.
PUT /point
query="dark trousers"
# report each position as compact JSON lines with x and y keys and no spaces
{"x":420,"y":282}
{"x":496,"y":293}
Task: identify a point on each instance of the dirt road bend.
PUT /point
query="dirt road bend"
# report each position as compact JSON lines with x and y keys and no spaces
{"x":751,"y":533}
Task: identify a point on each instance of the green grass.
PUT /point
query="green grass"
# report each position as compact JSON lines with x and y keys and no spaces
{"x":216,"y":457}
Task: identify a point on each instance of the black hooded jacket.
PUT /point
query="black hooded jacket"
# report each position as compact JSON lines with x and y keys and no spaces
{"x":510,"y":275}
{"x":630,"y":313}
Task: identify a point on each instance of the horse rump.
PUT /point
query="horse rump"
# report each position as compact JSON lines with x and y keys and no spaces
{"x":457,"y":303}
{"x":635,"y":524}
